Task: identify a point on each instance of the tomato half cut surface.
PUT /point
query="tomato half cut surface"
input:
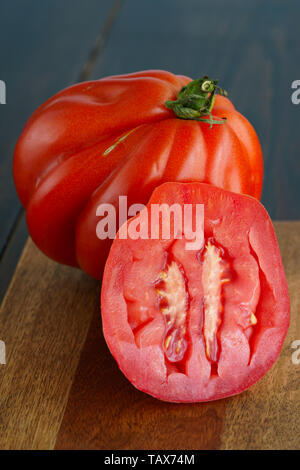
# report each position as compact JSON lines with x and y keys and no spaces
{"x":191,"y":325}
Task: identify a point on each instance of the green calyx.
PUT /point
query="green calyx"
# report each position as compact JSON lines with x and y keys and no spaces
{"x":196,"y":99}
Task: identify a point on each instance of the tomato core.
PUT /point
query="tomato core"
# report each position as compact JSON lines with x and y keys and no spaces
{"x":173,"y":298}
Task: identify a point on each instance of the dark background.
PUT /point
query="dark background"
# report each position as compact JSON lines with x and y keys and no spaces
{"x":251,"y":46}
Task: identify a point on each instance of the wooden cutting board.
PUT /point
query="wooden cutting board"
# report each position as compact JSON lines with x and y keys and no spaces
{"x":60,"y":387}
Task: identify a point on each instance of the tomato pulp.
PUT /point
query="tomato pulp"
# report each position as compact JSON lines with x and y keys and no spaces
{"x":190,"y":325}
{"x":97,"y":140}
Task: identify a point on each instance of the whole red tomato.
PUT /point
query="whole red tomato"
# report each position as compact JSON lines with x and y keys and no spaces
{"x":124,"y":135}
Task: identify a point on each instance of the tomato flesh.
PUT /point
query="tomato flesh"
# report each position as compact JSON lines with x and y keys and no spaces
{"x":198,"y":324}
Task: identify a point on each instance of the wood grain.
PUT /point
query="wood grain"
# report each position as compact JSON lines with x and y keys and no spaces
{"x":106,"y":412}
{"x":61,"y":387}
{"x":44,"y":320}
{"x":267,"y":415}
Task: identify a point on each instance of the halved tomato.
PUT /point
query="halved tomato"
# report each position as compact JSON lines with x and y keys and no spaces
{"x":190,"y":324}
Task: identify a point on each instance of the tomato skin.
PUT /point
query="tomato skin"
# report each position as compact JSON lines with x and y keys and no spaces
{"x":242,"y":226}
{"x":66,"y":162}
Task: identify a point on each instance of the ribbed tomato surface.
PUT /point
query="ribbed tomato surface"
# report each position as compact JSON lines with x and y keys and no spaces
{"x":97,"y":140}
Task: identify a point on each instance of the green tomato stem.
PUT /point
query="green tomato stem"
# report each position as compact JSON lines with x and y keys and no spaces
{"x":196,"y":100}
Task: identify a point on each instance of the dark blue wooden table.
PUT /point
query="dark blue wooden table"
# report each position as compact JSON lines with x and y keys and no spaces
{"x":252,"y":47}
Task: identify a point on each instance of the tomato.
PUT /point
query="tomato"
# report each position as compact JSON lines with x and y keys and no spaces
{"x":191,"y":325}
{"x":116,"y":136}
